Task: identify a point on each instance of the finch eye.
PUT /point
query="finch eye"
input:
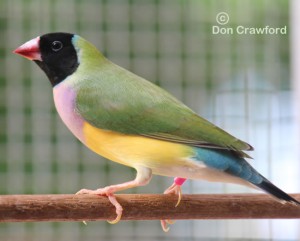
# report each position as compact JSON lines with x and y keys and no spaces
{"x":56,"y":46}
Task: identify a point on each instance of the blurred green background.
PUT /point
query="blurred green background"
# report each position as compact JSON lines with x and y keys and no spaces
{"x":243,"y":83}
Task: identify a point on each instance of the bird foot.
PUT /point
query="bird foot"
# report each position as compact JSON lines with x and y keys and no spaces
{"x":173,"y":189}
{"x":111,"y":197}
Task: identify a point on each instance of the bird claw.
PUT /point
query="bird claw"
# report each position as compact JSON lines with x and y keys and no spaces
{"x":165,"y":223}
{"x":164,"y":226}
{"x":175,"y":189}
{"x":119,"y":209}
{"x":111,"y":198}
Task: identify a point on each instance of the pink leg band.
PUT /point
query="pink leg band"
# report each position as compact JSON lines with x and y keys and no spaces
{"x":179,"y":180}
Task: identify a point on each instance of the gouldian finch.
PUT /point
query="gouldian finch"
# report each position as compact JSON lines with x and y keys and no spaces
{"x":130,"y":120}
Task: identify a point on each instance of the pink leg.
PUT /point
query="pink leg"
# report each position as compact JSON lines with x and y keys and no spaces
{"x":142,"y":178}
{"x":175,"y":188}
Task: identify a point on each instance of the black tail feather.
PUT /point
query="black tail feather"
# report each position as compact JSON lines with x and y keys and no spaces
{"x":270,"y":188}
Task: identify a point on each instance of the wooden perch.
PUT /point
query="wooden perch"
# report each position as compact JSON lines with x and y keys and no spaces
{"x":32,"y":208}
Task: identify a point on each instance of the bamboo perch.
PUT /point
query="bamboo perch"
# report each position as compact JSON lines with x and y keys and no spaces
{"x":33,"y":208}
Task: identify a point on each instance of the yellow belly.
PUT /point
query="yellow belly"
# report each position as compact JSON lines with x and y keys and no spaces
{"x":162,"y":157}
{"x":132,"y":150}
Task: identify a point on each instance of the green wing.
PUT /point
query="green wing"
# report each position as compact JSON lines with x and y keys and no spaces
{"x":115,"y":99}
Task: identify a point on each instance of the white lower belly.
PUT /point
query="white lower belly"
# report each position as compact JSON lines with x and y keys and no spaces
{"x":198,"y":171}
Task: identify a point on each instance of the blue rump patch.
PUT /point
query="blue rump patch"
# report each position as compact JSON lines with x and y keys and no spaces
{"x":229,"y":162}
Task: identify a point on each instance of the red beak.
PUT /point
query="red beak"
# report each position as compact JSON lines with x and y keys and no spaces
{"x":30,"y":50}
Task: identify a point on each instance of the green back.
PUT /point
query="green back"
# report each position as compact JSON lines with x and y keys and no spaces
{"x":112,"y":98}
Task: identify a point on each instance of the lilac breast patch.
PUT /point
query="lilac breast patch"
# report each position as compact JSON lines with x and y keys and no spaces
{"x":64,"y":99}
